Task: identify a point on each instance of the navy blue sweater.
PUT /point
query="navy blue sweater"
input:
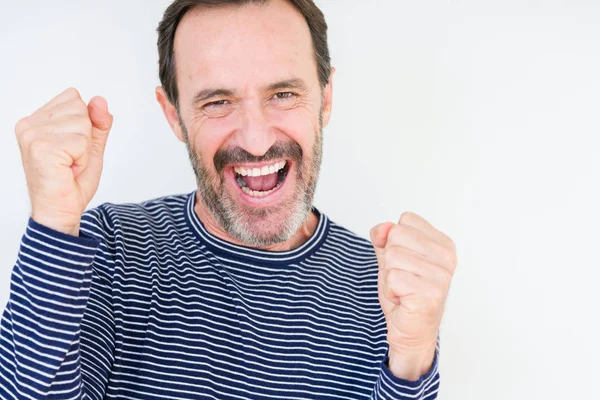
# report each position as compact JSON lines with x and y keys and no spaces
{"x":147,"y":304}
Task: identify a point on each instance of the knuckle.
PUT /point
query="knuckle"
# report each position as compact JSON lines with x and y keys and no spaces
{"x":77,"y":106}
{"x":26,"y":137}
{"x":403,"y":229}
{"x":407,"y":216}
{"x":395,"y":257}
{"x":21,"y":126}
{"x":389,"y":258}
{"x":72,"y":92}
{"x":81,"y":106}
{"x":396,"y":233}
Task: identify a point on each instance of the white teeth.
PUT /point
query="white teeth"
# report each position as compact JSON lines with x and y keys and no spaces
{"x":266,"y":170}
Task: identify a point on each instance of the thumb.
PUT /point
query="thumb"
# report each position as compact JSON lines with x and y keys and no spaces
{"x":379,"y":234}
{"x":102,"y":122}
{"x":99,"y":115}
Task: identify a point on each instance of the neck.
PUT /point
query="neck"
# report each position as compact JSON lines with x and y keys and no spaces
{"x":300,"y":237}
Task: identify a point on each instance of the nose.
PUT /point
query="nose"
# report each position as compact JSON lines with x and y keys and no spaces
{"x":255,"y":134}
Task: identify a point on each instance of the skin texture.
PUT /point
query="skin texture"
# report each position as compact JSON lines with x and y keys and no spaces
{"x":62,"y":148}
{"x":245,"y":50}
{"x":416,"y":265}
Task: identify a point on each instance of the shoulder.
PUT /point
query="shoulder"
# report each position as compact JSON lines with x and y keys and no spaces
{"x":346,"y":242}
{"x":350,"y":259}
{"x":108,"y":217}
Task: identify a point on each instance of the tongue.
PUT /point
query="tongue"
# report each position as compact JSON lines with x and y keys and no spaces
{"x":261,"y":183}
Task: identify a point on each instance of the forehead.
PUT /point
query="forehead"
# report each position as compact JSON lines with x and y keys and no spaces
{"x":238,"y":46}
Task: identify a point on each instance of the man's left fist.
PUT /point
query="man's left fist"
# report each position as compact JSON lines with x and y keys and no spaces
{"x":416,"y":265}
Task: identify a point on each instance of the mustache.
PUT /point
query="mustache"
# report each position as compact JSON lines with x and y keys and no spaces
{"x":237,"y":155}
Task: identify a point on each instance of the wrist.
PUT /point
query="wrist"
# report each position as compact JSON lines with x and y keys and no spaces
{"x":410,"y":366}
{"x":57,"y":225}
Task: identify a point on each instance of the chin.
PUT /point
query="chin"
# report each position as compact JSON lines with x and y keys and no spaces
{"x":268,"y":226}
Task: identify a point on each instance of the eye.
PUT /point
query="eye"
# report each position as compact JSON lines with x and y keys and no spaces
{"x":216,"y":103}
{"x":218,"y":108}
{"x":284,"y":95}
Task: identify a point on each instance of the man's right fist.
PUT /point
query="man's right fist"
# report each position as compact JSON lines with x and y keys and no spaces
{"x":62,"y":147}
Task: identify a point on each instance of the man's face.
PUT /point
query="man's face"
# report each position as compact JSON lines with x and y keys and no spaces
{"x":251,"y":112}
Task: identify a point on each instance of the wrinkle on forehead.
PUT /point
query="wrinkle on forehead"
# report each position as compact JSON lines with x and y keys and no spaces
{"x":243,"y":45}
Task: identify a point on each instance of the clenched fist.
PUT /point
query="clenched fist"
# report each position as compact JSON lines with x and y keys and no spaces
{"x":416,"y":265}
{"x":62,"y":147}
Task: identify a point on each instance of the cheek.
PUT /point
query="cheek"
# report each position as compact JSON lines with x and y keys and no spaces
{"x":210,"y":136}
{"x":299,"y":124}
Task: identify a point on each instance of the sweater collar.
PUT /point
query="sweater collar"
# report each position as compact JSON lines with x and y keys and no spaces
{"x":246,"y":253}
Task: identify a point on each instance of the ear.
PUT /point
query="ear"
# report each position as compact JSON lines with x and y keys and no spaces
{"x":328,"y":99}
{"x":170,"y":112}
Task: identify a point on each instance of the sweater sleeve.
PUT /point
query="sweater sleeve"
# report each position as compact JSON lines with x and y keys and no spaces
{"x":57,"y":330}
{"x":390,"y":387}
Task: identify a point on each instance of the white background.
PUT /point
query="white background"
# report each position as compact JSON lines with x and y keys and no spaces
{"x":481,"y":116}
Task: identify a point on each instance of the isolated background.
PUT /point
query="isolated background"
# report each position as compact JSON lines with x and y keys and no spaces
{"x":481,"y":116}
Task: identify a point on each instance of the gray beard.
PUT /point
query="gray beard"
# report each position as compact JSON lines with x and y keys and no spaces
{"x":246,"y":224}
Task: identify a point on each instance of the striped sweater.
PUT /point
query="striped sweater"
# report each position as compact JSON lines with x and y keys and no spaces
{"x":147,"y":304}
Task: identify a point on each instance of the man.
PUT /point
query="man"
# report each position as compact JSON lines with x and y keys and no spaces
{"x":241,"y":289}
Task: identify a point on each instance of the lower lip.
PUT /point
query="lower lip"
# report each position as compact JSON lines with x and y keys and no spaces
{"x":264,"y":201}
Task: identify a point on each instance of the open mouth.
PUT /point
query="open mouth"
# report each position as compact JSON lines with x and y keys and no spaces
{"x":260,"y":182}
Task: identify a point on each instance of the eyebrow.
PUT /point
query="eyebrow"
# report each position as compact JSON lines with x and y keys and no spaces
{"x":294,"y":83}
{"x":206,"y":94}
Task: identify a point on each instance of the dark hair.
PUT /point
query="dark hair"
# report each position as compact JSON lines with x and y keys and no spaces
{"x":175,"y":12}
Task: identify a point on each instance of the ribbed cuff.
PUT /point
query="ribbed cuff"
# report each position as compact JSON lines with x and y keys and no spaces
{"x":390,"y":386}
